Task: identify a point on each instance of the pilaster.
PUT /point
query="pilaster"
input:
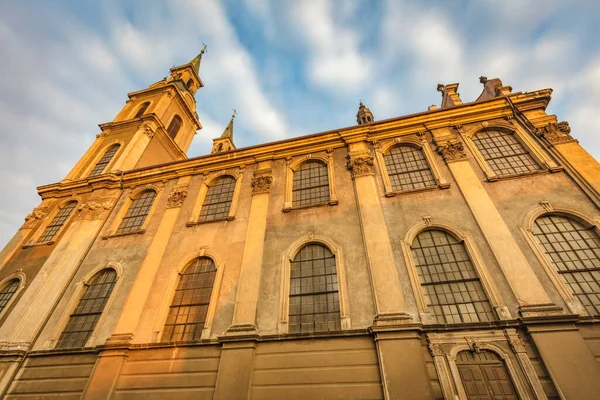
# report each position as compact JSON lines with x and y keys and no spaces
{"x":387,"y":291}
{"x":106,"y":373}
{"x":235,"y":371}
{"x":135,"y":148}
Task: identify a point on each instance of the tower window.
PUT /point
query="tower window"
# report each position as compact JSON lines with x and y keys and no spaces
{"x":58,"y":221}
{"x":314,"y":297}
{"x":575,"y":253}
{"x":84,"y":318}
{"x":142,"y":109}
{"x":189,"y":308}
{"x":311,"y":184}
{"x":504,"y":153}
{"x":189,"y":83}
{"x":8,"y":292}
{"x":217,"y":202}
{"x":105,"y":160}
{"x":137,"y":212}
{"x":174,"y":126}
{"x":408,"y":169}
{"x":450,"y":283}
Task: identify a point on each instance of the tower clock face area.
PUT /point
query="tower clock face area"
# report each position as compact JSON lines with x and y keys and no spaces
{"x":452,"y":252}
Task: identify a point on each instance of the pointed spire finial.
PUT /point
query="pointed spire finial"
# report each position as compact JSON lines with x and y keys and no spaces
{"x":234,"y":114}
{"x":196,"y":61}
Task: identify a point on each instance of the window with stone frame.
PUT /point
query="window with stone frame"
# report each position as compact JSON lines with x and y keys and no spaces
{"x":314,"y":298}
{"x":219,"y":197}
{"x":310,"y":184}
{"x":137,"y":213}
{"x":84,"y":318}
{"x":504,"y":153}
{"x":142,"y":109}
{"x":408,"y":168}
{"x":574,"y":250}
{"x":105,"y":160}
{"x":188,"y":311}
{"x":57,"y":222}
{"x":174,"y":126}
{"x":451,"y":286}
{"x":8,"y":292}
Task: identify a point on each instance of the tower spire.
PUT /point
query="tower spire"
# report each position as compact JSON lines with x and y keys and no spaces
{"x":225,"y":142}
{"x":196,"y":60}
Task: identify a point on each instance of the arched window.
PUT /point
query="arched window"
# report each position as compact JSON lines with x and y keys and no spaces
{"x":105,"y":160}
{"x":311,"y":184}
{"x":218,"y":199}
{"x":504,"y":153}
{"x":84,"y":318}
{"x":314,"y":298}
{"x":8,"y":292}
{"x":451,"y":287}
{"x":189,"y":83}
{"x":58,"y":221}
{"x":189,"y":308}
{"x":142,"y":109}
{"x":408,"y":169}
{"x":484,"y":376}
{"x":575,"y":252}
{"x":220,"y":147}
{"x":137,"y":212}
{"x":174,"y":126}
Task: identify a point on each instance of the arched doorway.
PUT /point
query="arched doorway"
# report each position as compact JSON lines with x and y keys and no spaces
{"x":484,"y":376}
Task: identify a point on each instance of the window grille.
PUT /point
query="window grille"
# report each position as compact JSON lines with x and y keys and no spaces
{"x":311,"y":184}
{"x":84,"y":318}
{"x":504,"y":153}
{"x":217,"y":202}
{"x":174,"y":126}
{"x":314,"y":298}
{"x":187,"y":314}
{"x":57,"y":222}
{"x":105,"y":160}
{"x":137,"y":213}
{"x":575,"y":252}
{"x":7,"y":292}
{"x":142,"y":109}
{"x":450,"y":283}
{"x":408,"y":169}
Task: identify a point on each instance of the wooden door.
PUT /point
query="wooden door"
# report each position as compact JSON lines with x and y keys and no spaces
{"x":484,"y":376}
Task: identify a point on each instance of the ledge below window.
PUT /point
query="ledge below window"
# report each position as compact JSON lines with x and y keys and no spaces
{"x":194,"y":223}
{"x":497,"y":178}
{"x":48,"y":243}
{"x":425,"y":189}
{"x":329,"y":203}
{"x":138,"y":232}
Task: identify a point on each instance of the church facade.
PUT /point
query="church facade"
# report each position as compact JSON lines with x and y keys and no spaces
{"x":449,"y":254}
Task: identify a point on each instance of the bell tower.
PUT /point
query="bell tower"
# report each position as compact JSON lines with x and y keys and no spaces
{"x":225,"y":142}
{"x":156,"y":125}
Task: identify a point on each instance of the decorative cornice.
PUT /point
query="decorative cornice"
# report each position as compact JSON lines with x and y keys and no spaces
{"x":93,"y":209}
{"x":452,"y":151}
{"x":556,"y":132}
{"x":360,"y":165}
{"x":261,"y":183}
{"x":177,"y":196}
{"x":31,"y":220}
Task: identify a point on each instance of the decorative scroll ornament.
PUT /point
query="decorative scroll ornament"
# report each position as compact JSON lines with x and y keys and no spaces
{"x":32,"y":219}
{"x":436,"y":350}
{"x":261,"y":183}
{"x":148,"y":131}
{"x":556,"y":132}
{"x":360,"y":166}
{"x":177,"y":196}
{"x":452,"y":152}
{"x":517,"y":344}
{"x":93,"y":209}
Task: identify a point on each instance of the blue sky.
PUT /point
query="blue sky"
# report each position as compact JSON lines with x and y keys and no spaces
{"x":289,"y":67}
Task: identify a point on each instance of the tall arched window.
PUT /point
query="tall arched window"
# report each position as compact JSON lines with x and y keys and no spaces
{"x":189,"y":308}
{"x":408,"y":169}
{"x":105,"y":160}
{"x":174,"y":126}
{"x":218,"y":199}
{"x":137,"y":212}
{"x":142,"y":109}
{"x":84,"y":318}
{"x":504,"y":153}
{"x":575,"y":252}
{"x":8,"y":291}
{"x":311,"y":184}
{"x":314,"y":297}
{"x":58,"y":221}
{"x":484,"y":376}
{"x":451,"y":287}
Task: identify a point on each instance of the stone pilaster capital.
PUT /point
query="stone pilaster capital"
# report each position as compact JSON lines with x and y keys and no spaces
{"x":556,"y":132}
{"x":452,"y":151}
{"x":436,"y":350}
{"x":32,"y":219}
{"x":93,"y":209}
{"x":261,"y":183}
{"x":360,"y":164}
{"x":177,"y":196}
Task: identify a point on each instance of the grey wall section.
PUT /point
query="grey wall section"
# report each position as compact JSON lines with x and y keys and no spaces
{"x":46,"y":377}
{"x":317,"y":368}
{"x":169,"y":373}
